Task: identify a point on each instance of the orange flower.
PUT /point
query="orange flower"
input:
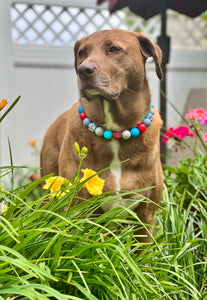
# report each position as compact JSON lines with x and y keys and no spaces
{"x":95,"y":184}
{"x":33,"y":142}
{"x":3,"y":103}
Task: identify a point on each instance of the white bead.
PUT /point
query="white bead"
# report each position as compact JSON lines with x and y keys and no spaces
{"x":99,"y":131}
{"x":126,"y":135}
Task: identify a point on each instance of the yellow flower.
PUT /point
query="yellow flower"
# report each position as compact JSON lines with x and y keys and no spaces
{"x":3,"y":103}
{"x":93,"y":185}
{"x":5,"y":208}
{"x":57,"y":184}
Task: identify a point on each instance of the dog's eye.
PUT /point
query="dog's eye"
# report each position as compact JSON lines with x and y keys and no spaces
{"x":114,"y":49}
{"x":81,"y":52}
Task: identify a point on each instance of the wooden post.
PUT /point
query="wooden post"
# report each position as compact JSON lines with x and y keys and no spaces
{"x":164,"y":43}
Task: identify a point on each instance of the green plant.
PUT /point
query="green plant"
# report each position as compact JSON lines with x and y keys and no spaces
{"x":48,"y":254}
{"x":183,"y":232}
{"x":52,"y":250}
{"x":44,"y":254}
{"x":188,"y":178}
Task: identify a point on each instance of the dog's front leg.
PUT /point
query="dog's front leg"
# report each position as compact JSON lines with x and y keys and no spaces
{"x":145,"y":213}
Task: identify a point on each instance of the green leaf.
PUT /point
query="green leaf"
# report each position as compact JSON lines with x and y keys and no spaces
{"x":9,"y":109}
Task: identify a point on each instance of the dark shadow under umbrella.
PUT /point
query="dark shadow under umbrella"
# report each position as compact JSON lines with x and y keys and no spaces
{"x":148,"y":9}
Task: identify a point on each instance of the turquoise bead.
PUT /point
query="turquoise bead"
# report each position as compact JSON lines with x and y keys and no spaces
{"x":134,"y":132}
{"x":108,"y":134}
{"x":80,"y":110}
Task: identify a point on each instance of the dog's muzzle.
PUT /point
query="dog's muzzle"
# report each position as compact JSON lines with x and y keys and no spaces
{"x":86,"y":71}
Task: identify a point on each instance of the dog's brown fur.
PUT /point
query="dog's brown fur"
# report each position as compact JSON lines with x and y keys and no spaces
{"x":113,"y":62}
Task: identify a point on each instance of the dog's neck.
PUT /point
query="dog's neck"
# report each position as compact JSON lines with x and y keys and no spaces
{"x":125,"y":112}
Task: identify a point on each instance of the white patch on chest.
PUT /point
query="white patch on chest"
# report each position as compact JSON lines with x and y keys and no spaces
{"x":114,"y":145}
{"x":109,"y":124}
{"x":115,"y":170}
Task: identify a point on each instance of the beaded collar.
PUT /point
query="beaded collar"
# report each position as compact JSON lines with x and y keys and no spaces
{"x":116,"y":135}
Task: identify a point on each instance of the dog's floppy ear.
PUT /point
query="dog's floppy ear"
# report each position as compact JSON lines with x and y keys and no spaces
{"x":76,"y":47}
{"x":150,"y":49}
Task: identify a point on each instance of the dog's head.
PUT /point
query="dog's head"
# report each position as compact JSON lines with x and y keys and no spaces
{"x":110,"y":62}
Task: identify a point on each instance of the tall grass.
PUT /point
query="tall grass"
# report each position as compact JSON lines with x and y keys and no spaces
{"x":48,"y":252}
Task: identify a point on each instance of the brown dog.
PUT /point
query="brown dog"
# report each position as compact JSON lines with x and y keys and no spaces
{"x":114,"y":94}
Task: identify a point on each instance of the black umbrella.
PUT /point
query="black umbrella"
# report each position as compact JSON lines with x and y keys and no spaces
{"x":150,"y":8}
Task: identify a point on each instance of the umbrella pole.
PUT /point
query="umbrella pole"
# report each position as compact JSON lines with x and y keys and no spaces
{"x":164,"y":43}
{"x":163,"y":112}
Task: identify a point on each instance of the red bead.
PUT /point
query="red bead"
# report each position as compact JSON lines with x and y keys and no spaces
{"x":116,"y":135}
{"x":141,"y":127}
{"x":83,"y":116}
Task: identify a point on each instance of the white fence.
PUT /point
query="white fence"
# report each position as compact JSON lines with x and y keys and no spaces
{"x":36,"y":62}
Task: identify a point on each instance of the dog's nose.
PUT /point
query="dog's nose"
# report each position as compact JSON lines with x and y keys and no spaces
{"x":86,"y":70}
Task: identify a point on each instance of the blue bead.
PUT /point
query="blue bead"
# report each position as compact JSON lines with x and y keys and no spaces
{"x":152,"y":105}
{"x":80,"y":110}
{"x":147,"y":122}
{"x":134,"y":132}
{"x":86,"y":122}
{"x":108,"y":134}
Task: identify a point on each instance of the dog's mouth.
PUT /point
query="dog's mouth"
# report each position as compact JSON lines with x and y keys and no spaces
{"x":92,"y":94}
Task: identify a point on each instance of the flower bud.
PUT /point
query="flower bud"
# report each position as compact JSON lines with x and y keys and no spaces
{"x":65,"y":184}
{"x":76,"y":179}
{"x":84,"y":150}
{"x":77,"y":148}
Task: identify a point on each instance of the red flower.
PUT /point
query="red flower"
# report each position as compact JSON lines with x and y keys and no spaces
{"x":178,"y":133}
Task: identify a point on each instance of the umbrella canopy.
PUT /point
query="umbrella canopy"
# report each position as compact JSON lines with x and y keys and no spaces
{"x":148,"y":8}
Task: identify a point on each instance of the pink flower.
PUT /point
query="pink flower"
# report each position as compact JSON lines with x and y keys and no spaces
{"x":205,"y":136}
{"x":204,"y":120}
{"x":178,"y":133}
{"x":198,"y":114}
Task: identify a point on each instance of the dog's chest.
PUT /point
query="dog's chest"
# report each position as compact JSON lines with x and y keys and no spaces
{"x":114,"y":146}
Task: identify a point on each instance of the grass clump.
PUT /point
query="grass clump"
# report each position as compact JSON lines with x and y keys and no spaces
{"x":48,"y":252}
